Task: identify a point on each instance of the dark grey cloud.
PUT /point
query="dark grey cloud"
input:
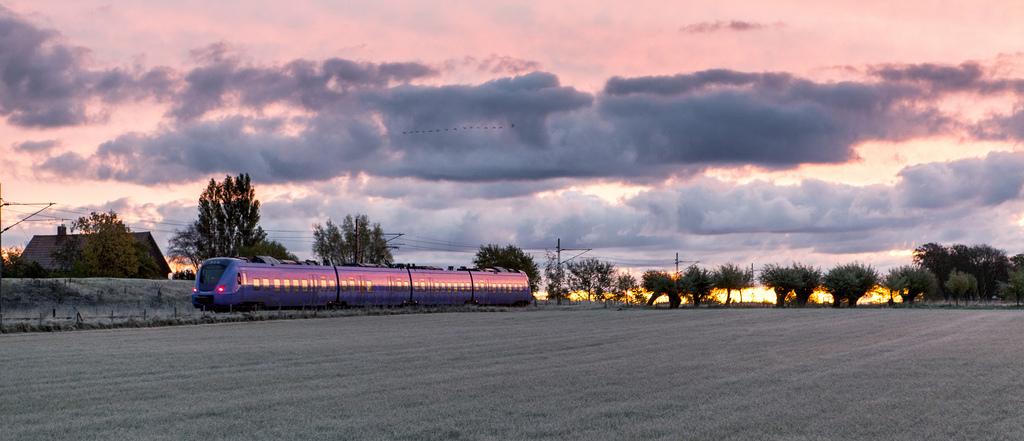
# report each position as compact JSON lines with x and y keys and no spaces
{"x":769,"y":119}
{"x":706,"y":27}
{"x":309,"y":84}
{"x":995,"y":179}
{"x":47,"y":83}
{"x":42,"y":146}
{"x":329,"y":146}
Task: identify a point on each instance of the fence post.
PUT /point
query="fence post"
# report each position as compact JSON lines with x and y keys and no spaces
{"x":175,"y":312}
{"x":54,"y":312}
{"x":144,"y":314}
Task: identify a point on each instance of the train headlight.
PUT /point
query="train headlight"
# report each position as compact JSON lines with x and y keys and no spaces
{"x":194,"y":289}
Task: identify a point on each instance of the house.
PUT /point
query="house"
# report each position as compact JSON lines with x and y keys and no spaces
{"x":41,"y":249}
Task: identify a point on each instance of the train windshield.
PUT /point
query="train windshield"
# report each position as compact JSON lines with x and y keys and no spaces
{"x":209,"y":275}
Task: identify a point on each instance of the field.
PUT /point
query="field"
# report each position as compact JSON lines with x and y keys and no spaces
{"x":745,"y":374}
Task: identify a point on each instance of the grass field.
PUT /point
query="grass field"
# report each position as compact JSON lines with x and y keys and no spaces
{"x":750,"y":374}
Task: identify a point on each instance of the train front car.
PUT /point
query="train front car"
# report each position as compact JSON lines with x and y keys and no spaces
{"x":217,"y":285}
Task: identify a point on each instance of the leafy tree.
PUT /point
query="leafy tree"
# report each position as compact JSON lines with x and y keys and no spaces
{"x":185,"y":274}
{"x":697,"y":283}
{"x":329,"y":244}
{"x":850,"y":281}
{"x":989,"y":265}
{"x":961,"y":284}
{"x":67,"y":255}
{"x":624,"y":284}
{"x":911,"y":282}
{"x":13,"y":265}
{"x":356,"y":241}
{"x":936,"y":258}
{"x":229,"y":217}
{"x":810,"y":281}
{"x":270,"y":248}
{"x":555,"y":277}
{"x":782,"y":280}
{"x":659,"y":283}
{"x":1013,"y":289}
{"x":731,"y":277}
{"x":511,"y":257}
{"x":1017,"y":261}
{"x":186,"y":247}
{"x":110,"y":250}
{"x":590,"y":275}
{"x":894,"y":283}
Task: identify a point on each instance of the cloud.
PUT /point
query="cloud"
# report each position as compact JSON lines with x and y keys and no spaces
{"x":47,"y":83}
{"x":995,"y":179}
{"x":42,"y":146}
{"x":494,"y":64}
{"x":767,"y":119}
{"x":706,"y":27}
{"x":329,"y":146}
{"x":307,"y":84}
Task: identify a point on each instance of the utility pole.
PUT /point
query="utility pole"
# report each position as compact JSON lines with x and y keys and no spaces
{"x":2,"y":231}
{"x":558,"y":252}
{"x":357,"y":240}
{"x":677,"y":263}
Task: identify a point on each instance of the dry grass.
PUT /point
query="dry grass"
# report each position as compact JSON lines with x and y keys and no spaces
{"x":585,"y":374}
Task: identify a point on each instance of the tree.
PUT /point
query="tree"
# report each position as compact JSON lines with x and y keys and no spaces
{"x":697,"y":283}
{"x":989,"y":265}
{"x":590,"y":275}
{"x":809,"y":281}
{"x":14,"y":265}
{"x":850,"y":281}
{"x":961,"y":284}
{"x":185,"y":274}
{"x":1017,"y":261}
{"x":229,"y":217}
{"x":731,"y":277}
{"x":625,"y":284}
{"x":1013,"y":289}
{"x":894,"y":283}
{"x":511,"y":257}
{"x":270,"y":248}
{"x":185,"y":247}
{"x":937,"y":259}
{"x":109,"y":250}
{"x":356,"y":241}
{"x":782,"y":280}
{"x":911,"y":282}
{"x":659,"y":283}
{"x":329,"y":244}
{"x":555,"y":276}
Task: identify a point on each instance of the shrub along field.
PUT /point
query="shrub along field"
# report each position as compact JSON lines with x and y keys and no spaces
{"x":588,"y":374}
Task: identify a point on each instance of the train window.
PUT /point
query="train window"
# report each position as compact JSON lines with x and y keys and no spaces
{"x":277,"y":284}
{"x":305,"y":285}
{"x":287,"y":285}
{"x":369,"y":286}
{"x":256,"y":284}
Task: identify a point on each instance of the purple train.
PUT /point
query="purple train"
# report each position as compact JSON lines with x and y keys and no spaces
{"x":225,"y":283}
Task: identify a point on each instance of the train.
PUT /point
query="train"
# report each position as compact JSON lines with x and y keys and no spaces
{"x":239,"y":283}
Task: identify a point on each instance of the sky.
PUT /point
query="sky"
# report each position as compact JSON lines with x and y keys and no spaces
{"x":745,"y":132}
